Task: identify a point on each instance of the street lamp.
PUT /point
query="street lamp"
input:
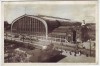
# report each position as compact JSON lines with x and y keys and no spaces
{"x":90,"y":46}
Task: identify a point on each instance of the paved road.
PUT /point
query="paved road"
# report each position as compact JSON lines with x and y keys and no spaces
{"x":73,"y":48}
{"x":70,"y":47}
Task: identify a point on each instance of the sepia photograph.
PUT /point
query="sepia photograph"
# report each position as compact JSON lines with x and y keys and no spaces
{"x":50,"y":32}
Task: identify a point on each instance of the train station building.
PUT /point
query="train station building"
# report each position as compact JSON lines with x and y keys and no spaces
{"x":47,"y":27}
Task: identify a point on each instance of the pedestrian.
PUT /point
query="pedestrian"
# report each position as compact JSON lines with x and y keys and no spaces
{"x":70,"y":53}
{"x":75,"y":53}
{"x":86,"y":55}
{"x":66,"y":51}
{"x":80,"y":52}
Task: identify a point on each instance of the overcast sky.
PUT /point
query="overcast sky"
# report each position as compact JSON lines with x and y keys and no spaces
{"x":77,"y":12}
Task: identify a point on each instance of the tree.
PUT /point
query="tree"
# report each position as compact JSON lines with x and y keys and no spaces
{"x":7,"y":26}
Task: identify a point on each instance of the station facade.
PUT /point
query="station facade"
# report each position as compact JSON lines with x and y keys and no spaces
{"x":47,"y":27}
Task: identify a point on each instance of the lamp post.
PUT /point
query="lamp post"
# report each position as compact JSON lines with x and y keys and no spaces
{"x":31,"y":38}
{"x":23,"y":37}
{"x":6,"y":35}
{"x":90,"y":47}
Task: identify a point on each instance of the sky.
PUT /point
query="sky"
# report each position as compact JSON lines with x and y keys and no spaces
{"x":77,"y":12}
